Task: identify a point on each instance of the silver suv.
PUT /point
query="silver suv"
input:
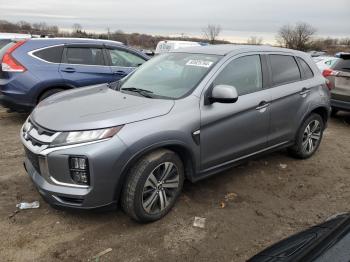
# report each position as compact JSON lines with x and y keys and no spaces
{"x":187,"y":114}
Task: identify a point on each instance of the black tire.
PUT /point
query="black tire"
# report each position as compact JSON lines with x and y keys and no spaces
{"x":48,"y":93}
{"x":134,"y":192}
{"x":298,"y":150}
{"x":334,"y":112}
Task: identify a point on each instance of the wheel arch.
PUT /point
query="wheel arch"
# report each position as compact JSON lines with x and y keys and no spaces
{"x":185,"y":154}
{"x":45,"y":89}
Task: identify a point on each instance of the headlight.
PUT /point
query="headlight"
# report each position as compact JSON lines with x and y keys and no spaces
{"x":68,"y":138}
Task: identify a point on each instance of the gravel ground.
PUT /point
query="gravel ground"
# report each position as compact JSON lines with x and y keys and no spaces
{"x":246,"y":208}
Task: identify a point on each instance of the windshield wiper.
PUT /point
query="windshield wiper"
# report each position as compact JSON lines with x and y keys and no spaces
{"x":143,"y":92}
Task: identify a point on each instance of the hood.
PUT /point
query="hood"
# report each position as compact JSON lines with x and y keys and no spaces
{"x":96,"y":107}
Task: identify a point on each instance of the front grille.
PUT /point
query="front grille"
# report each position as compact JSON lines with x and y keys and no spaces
{"x":33,"y":159}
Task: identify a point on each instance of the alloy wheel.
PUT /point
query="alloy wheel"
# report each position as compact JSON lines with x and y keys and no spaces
{"x":160,"y":188}
{"x":311,"y":137}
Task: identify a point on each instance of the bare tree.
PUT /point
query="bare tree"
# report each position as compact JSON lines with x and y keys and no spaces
{"x":254,"y":40}
{"x":296,"y":37}
{"x":77,"y":27}
{"x":211,"y":32}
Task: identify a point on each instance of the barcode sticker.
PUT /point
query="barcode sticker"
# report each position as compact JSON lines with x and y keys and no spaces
{"x":200,"y":63}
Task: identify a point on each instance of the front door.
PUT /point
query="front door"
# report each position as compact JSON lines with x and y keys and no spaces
{"x":232,"y":131}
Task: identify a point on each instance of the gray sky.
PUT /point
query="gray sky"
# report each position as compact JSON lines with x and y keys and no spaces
{"x":239,"y":19}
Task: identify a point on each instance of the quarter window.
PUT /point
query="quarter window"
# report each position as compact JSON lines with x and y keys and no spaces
{"x":243,"y":73}
{"x":284,"y":69}
{"x":305,"y":69}
{"x":85,"y":56}
{"x":125,"y":59}
{"x":51,"y":54}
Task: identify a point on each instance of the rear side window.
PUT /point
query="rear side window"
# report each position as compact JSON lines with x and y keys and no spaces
{"x":342,"y":65}
{"x":305,"y":69}
{"x":124,"y":58}
{"x":243,"y":73}
{"x":284,"y":69}
{"x":84,"y":56}
{"x":51,"y":54}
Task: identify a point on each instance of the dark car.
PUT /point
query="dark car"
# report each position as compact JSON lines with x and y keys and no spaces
{"x":327,"y":242}
{"x":32,"y":70}
{"x":339,"y":81}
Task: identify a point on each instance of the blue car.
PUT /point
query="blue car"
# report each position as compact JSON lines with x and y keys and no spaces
{"x":32,"y":70}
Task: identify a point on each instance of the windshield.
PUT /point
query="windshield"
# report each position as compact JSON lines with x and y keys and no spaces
{"x":171,"y":75}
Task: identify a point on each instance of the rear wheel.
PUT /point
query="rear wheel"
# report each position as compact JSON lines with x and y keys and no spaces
{"x":153,"y":185}
{"x":308,"y":138}
{"x":49,"y":92}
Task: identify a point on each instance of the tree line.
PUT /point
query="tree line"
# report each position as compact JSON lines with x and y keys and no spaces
{"x":301,"y":36}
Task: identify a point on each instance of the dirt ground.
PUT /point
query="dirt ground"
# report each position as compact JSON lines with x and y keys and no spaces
{"x":266,"y":200}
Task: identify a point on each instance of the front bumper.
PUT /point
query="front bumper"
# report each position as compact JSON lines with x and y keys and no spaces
{"x":341,"y":105}
{"x":52,"y":176}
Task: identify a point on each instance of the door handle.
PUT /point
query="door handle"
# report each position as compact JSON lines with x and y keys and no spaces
{"x":120,"y":73}
{"x":305,"y":91}
{"x":262,"y":105}
{"x":68,"y":70}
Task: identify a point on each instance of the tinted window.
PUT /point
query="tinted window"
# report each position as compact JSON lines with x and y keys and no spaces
{"x":243,"y":73}
{"x":4,"y":42}
{"x":284,"y":69}
{"x":305,"y":68}
{"x":52,"y":54}
{"x":342,"y":65}
{"x":126,"y":59}
{"x":85,"y":56}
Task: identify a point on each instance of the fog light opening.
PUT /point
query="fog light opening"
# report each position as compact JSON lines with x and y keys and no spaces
{"x":79,"y":170}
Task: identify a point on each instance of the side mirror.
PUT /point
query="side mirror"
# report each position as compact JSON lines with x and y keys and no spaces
{"x":222,"y":94}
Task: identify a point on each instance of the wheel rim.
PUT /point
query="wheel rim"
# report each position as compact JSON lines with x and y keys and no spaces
{"x":160,"y":188}
{"x":311,"y":136}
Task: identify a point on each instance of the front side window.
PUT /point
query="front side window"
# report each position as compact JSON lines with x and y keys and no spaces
{"x":284,"y":69}
{"x":170,"y":75}
{"x":124,"y":58}
{"x":84,"y":56}
{"x":243,"y":73}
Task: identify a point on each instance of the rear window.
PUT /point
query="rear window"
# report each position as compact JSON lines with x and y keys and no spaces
{"x":85,"y":56}
{"x":4,"y":42}
{"x":342,"y":65}
{"x":305,"y":69}
{"x":51,"y":54}
{"x":284,"y":69}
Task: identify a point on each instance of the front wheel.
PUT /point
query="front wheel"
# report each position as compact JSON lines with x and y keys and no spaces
{"x":308,"y":138}
{"x":153,"y":185}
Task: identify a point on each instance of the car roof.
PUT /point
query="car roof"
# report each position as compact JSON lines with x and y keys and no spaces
{"x":225,"y":49}
{"x":75,"y":40}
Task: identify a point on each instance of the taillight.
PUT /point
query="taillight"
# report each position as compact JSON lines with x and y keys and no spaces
{"x":329,"y":72}
{"x":9,"y":63}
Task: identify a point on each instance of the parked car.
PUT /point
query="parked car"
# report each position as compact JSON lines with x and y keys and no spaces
{"x":169,"y":45}
{"x":187,"y":114}
{"x":34,"y":69}
{"x":329,"y":241}
{"x":326,"y":62}
{"x":338,"y":76}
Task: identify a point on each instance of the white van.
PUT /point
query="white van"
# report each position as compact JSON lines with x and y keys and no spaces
{"x":169,"y":45}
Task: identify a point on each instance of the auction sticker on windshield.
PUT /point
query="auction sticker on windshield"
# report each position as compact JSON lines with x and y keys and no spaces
{"x":200,"y":63}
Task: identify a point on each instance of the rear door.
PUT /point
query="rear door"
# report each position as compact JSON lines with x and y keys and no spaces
{"x":122,"y":61}
{"x":84,"y":65}
{"x":290,"y":91}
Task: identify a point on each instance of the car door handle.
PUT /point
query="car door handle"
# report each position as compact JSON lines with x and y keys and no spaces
{"x":305,"y":91}
{"x":262,"y":105}
{"x":68,"y":70}
{"x":120,"y":73}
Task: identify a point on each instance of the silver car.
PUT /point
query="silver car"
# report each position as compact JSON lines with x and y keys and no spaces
{"x":187,"y":114}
